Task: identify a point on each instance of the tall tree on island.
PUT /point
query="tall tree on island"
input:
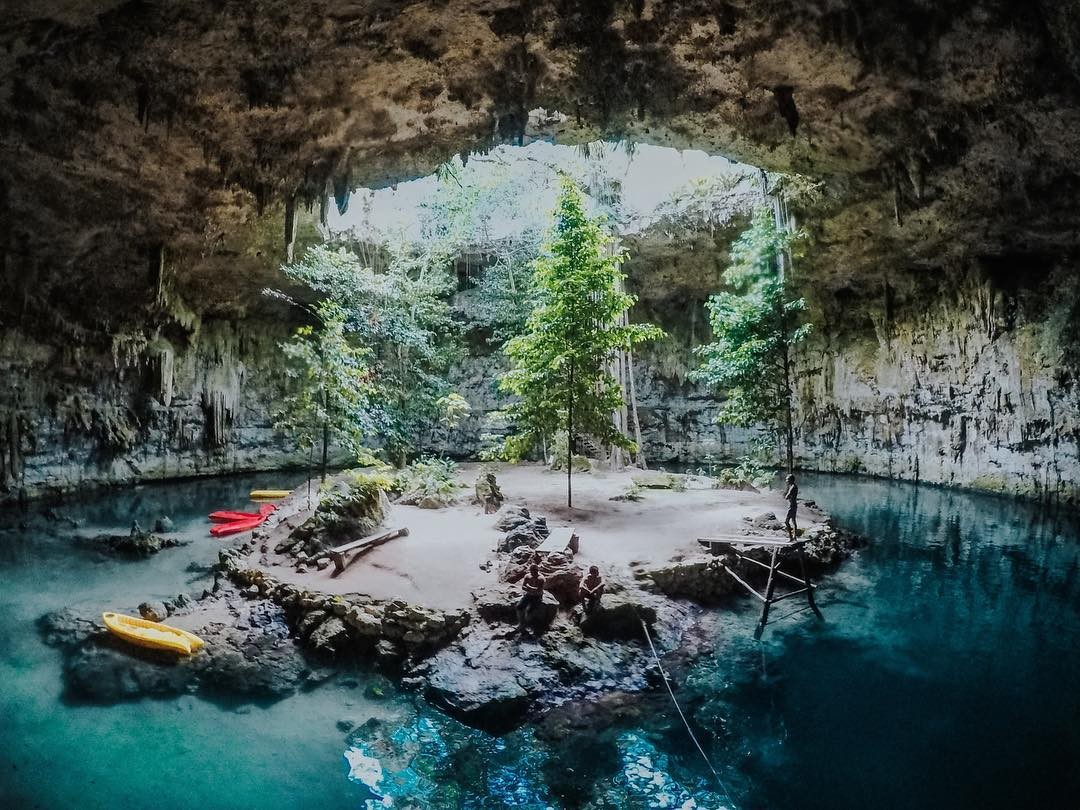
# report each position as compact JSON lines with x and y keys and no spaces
{"x":332,"y":396}
{"x":756,"y":325}
{"x":559,"y":365}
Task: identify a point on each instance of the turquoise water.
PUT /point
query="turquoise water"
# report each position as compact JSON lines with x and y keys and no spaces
{"x":945,"y":675}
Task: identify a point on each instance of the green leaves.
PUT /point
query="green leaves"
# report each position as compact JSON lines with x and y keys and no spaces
{"x":333,"y":385}
{"x":571,"y":335}
{"x":402,"y":316}
{"x":755,"y":328}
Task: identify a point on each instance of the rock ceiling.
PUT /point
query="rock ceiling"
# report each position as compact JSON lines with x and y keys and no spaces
{"x":136,"y":135}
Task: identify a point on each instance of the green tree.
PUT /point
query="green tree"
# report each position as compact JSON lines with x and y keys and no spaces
{"x":756,"y":327}
{"x":559,"y":365}
{"x":332,"y":391}
{"x":402,"y":316}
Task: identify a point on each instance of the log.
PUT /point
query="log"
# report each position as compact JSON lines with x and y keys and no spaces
{"x":361,"y":547}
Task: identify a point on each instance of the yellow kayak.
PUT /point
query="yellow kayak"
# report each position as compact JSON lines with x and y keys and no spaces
{"x":269,"y":494}
{"x":152,"y":634}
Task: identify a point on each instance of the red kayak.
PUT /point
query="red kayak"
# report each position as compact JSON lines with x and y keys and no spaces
{"x":227,"y":516}
{"x":246,"y":521}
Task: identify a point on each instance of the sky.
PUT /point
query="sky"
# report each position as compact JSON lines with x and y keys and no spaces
{"x":649,"y":175}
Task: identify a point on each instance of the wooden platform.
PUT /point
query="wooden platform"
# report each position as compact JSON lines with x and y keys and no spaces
{"x":561,"y":541}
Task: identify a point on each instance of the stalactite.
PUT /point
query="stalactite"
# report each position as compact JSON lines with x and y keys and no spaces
{"x":290,"y":228}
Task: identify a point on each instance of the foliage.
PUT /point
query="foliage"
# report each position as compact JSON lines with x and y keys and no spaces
{"x":559,"y":451}
{"x":747,"y":473}
{"x":428,"y":476}
{"x":332,"y":392}
{"x":755,"y":326}
{"x":559,"y":365}
{"x":403,"y":317}
{"x":453,"y":408}
{"x":350,"y":506}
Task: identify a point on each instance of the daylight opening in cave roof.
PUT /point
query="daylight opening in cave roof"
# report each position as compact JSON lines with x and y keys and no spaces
{"x":428,"y":403}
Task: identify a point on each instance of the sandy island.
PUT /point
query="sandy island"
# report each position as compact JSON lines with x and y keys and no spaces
{"x":438,"y":564}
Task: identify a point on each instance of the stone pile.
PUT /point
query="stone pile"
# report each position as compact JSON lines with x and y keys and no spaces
{"x":337,"y":625}
{"x":136,"y":543}
{"x":521,"y":529}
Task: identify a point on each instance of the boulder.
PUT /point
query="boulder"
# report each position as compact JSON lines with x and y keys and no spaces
{"x":700,"y":579}
{"x":498,"y":603}
{"x":330,"y":638}
{"x":618,"y":618}
{"x":766,"y":520}
{"x":164,"y":525}
{"x":512,"y":517}
{"x":153,"y":611}
{"x":309,"y":622}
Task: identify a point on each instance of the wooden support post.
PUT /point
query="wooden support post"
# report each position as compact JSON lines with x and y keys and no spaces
{"x":770,"y":586}
{"x":809,"y":587}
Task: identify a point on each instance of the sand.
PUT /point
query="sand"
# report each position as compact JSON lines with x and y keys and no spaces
{"x":439,"y":563}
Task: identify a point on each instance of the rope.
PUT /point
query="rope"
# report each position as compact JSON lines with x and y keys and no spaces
{"x":678,"y":708}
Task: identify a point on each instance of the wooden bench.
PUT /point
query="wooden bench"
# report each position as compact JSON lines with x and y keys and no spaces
{"x":561,"y":541}
{"x":361,"y":547}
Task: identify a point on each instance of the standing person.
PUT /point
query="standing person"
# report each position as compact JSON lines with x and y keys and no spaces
{"x":792,"y":497}
{"x":533,"y":585}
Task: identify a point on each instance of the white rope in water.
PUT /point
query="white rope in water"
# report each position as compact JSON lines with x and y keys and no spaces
{"x":678,"y":708}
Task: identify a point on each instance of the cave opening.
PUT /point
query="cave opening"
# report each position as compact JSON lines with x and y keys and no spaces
{"x":400,"y":399}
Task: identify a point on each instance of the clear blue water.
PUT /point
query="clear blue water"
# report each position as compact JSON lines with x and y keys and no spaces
{"x":945,"y":675}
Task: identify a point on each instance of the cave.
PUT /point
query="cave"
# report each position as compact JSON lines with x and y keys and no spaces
{"x":312,"y":249}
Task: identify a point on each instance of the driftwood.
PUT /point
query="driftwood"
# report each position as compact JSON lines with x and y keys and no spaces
{"x":361,"y":547}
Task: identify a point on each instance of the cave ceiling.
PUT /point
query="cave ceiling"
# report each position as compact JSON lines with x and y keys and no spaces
{"x":137,"y":135}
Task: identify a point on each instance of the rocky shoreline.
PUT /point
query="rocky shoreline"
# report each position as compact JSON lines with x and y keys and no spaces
{"x":267,"y":637}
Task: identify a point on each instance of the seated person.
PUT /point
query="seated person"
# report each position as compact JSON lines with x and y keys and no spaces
{"x":533,"y":585}
{"x":592,"y":588}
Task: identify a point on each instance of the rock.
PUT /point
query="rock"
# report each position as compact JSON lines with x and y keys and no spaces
{"x":564,"y":582}
{"x":345,"y":726}
{"x":658,"y":479}
{"x":487,"y":493}
{"x":153,"y":611}
{"x":485,"y":683}
{"x":322,"y":563}
{"x":388,"y":653}
{"x":331,"y":637}
{"x":136,"y":543}
{"x":68,"y":627}
{"x":498,"y":604}
{"x":766,"y":520}
{"x":512,"y":517}
{"x":309,"y":622}
{"x":255,"y":658}
{"x":164,"y":524}
{"x":432,"y":502}
{"x":364,"y":621}
{"x":699,"y":579}
{"x":618,"y":618}
{"x":523,"y":535}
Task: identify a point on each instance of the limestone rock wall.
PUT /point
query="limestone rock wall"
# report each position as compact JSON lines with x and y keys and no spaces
{"x":196,"y":402}
{"x":972,"y":383}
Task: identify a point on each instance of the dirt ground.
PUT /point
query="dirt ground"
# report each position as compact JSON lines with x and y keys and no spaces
{"x":439,"y":563}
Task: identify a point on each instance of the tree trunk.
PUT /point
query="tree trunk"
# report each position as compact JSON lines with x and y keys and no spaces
{"x":570,"y":441}
{"x":325,"y":444}
{"x":641,"y":461}
{"x":310,"y":453}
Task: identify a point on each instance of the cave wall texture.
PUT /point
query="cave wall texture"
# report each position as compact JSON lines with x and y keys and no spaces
{"x":158,"y":160}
